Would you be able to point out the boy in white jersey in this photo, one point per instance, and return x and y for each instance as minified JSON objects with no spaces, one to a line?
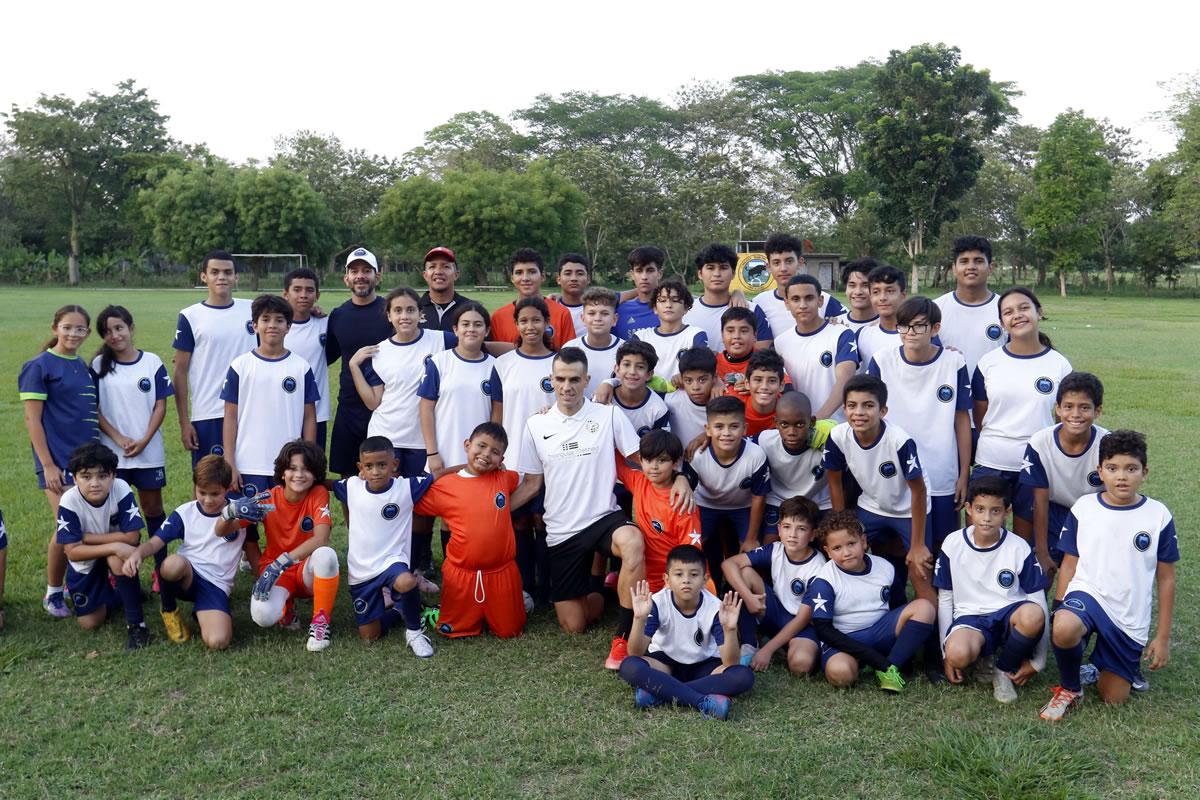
{"x":931,"y":399}
{"x":778,"y":609}
{"x":213,"y":535}
{"x":785,"y":260}
{"x":270,"y":399}
{"x":306,"y":338}
{"x":1060,"y":464}
{"x":672,"y":335}
{"x":683,"y":647}
{"x":990,"y":595}
{"x":970,"y":318}
{"x":1117,"y":544}
{"x":887,"y":293}
{"x":849,"y":598}
{"x":574,"y":276}
{"x":688,"y":405}
{"x":714,"y":268}
{"x":733,"y":483}
{"x":858,"y":294}
{"x":598,"y":341}
{"x":208,"y":336}
{"x":819,"y":357}
{"x":380,"y":544}
{"x":644,"y":409}
{"x":99,"y":526}
{"x":795,"y":456}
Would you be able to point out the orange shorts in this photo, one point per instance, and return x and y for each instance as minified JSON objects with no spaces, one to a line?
{"x":292,"y":579}
{"x":471,"y":597}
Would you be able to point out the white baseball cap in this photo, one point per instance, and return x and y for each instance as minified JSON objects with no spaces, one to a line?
{"x":362,"y":254}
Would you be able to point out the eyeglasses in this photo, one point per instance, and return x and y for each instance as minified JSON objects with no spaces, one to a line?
{"x":78,"y":330}
{"x":916,"y":327}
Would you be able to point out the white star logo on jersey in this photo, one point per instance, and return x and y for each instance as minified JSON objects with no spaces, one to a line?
{"x":695,"y":537}
{"x":132,"y":511}
{"x":819,"y":603}
{"x":62,"y":525}
{"x":178,"y":333}
{"x":912,"y":463}
{"x":1026,"y":465}
{"x":937,"y":567}
{"x":324,"y":511}
{"x":169,"y":384}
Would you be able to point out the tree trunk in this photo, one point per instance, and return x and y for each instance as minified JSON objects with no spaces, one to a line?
{"x":1062,"y":283}
{"x":73,"y":258}
{"x":1041,"y":275}
{"x":1109,"y":277}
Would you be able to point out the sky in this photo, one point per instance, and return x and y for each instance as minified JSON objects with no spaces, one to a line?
{"x":378,"y":75}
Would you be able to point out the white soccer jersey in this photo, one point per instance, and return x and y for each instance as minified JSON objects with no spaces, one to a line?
{"x":522,"y":384}
{"x":399,"y":368}
{"x":575,"y":454}
{"x":810,"y":358}
{"x":601,"y":360}
{"x":463,"y":392}
{"x":214,"y":558}
{"x":576,"y":314}
{"x":1020,"y":394}
{"x":794,"y":474}
{"x":731,"y":486}
{"x":972,"y":330}
{"x":882,"y":468}
{"x":924,"y":398}
{"x":76,"y":517}
{"x":380,"y":523}
{"x":857,"y":325}
{"x":1067,"y":477}
{"x":1119,"y":548}
{"x":687,"y":418}
{"x":647,"y":415}
{"x":669,"y":346}
{"x":780,"y":318}
{"x":307,"y":340}
{"x":708,"y":319}
{"x":986,"y":579}
{"x":872,"y":340}
{"x":685,"y":638}
{"x":270,"y":394}
{"x":853,"y":600}
{"x":215,"y":336}
{"x":127,"y":397}
{"x":789,"y":579}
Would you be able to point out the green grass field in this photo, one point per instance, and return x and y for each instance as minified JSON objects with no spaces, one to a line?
{"x":538,"y":716}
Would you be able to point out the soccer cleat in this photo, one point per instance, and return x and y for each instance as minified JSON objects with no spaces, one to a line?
{"x":425,"y":585}
{"x":154,"y":585}
{"x":56,"y":605}
{"x":984,"y":669}
{"x":715,"y":706}
{"x":936,"y":676}
{"x":289,"y":621}
{"x":1003,"y":688}
{"x":1062,"y":701}
{"x":748,"y":651}
{"x":319,"y":633}
{"x":137,"y":637}
{"x":244,"y":565}
{"x":643,"y":699}
{"x":177,"y":630}
{"x":890,"y":680}
{"x":419,"y":643}
{"x":617,"y":653}
{"x":610,"y":581}
{"x":528,"y":598}
{"x":1140,"y":684}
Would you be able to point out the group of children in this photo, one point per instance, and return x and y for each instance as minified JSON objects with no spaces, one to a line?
{"x":831,"y":451}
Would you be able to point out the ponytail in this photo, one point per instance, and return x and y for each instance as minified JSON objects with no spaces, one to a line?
{"x":107,"y":356}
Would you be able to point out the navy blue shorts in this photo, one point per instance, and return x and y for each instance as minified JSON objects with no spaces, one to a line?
{"x":67,"y":478}
{"x":1114,"y":652}
{"x":204,"y":595}
{"x":91,"y":592}
{"x":349,"y":431}
{"x":685,"y":672}
{"x":879,"y":527}
{"x":368,"y":595}
{"x":1012,"y":477}
{"x":1055,"y":519}
{"x":775,"y":616}
{"x":993,"y":626}
{"x":710,"y":518}
{"x":770,"y":523}
{"x":943,"y":519}
{"x":3,"y":532}
{"x":144,"y":477}
{"x":880,"y":636}
{"x":209,"y":434}
{"x":254,"y":484}
{"x":411,"y":461}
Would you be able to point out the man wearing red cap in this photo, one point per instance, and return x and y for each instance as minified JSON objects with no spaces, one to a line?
{"x":437,"y":306}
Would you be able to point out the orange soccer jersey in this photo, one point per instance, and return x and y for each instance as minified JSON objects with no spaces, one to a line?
{"x":291,"y":524}
{"x":662,"y":527}
{"x":477,"y":511}
{"x":504,"y":325}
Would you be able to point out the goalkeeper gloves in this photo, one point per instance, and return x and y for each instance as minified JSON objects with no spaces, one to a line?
{"x":262,"y":586}
{"x":248,"y":508}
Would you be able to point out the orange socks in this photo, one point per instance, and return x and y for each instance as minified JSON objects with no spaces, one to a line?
{"x":324,"y":593}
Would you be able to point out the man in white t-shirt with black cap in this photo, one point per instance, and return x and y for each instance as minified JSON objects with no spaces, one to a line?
{"x":571,"y":449}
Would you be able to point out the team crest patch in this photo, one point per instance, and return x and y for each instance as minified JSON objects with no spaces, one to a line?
{"x":486,"y":388}
{"x":547,"y":387}
{"x":1141,"y":540}
{"x":249,"y":327}
{"x":826,"y":359}
{"x":658,"y":527}
{"x":322,"y":339}
{"x":360,"y":605}
{"x":771,"y":516}
{"x":745,"y":484}
{"x":217,"y":450}
{"x":818,"y":471}
{"x":307,"y":524}
{"x":1006,"y":578}
{"x":445,"y":628}
{"x":390,"y":511}
{"x":642,"y":431}
{"x":1094,"y":480}
{"x":591,"y":426}
{"x":145,"y":386}
{"x":79,"y":600}
{"x":500,"y":500}
{"x":1044,"y":385}
{"x":888,"y":469}
{"x":945,"y":393}
{"x":993,"y":332}
{"x":249,"y":489}
{"x":1075,"y":603}
{"x":289,"y":384}
{"x":797,"y":587}
{"x":699,"y":637}
{"x":885,"y":594}
{"x":359,"y":252}
{"x":550,"y":331}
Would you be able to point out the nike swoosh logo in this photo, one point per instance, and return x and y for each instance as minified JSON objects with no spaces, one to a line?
{"x":547,"y":436}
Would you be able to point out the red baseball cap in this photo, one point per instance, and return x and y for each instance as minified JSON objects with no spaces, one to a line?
{"x":441,"y":251}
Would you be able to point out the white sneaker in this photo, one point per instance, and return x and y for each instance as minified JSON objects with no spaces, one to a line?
{"x":528,"y":602}
{"x":985,"y":669}
{"x":419,"y":643}
{"x":748,"y":651}
{"x":1003,"y":688}
{"x":318,"y":633}
{"x":244,"y":565}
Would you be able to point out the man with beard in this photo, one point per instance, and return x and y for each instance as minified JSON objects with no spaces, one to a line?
{"x":438,"y":305}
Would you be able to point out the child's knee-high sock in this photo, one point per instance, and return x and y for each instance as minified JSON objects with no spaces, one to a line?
{"x":1016,"y":650}
{"x":1069,"y":659}
{"x":898,"y":590}
{"x":152,"y":526}
{"x":733,"y":681}
{"x":409,"y":605}
{"x":637,"y":672}
{"x":747,"y":627}
{"x":168,"y":594}
{"x":390,"y":619}
{"x":131,"y":598}
{"x":911,"y":637}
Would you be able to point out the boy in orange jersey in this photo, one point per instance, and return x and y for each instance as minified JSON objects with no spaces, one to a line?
{"x":527,"y":272}
{"x":480,"y":579}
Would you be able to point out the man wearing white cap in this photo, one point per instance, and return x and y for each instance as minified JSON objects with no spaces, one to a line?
{"x":356,"y":323}
{"x":438,"y":305}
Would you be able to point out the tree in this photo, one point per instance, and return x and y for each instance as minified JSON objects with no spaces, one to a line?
{"x":921,"y":142}
{"x":92,"y":152}
{"x":469,"y":139}
{"x":190,"y":211}
{"x":277,"y":211}
{"x":1070,"y":182}
{"x":1150,"y":242}
{"x":1182,"y":210}
{"x":812,"y":122}
{"x":1120,"y":197}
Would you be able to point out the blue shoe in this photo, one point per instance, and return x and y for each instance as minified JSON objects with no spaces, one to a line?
{"x":643,"y":699}
{"x":1140,"y":684}
{"x":715,"y":706}
{"x":56,"y":605}
{"x":1088,"y":674}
